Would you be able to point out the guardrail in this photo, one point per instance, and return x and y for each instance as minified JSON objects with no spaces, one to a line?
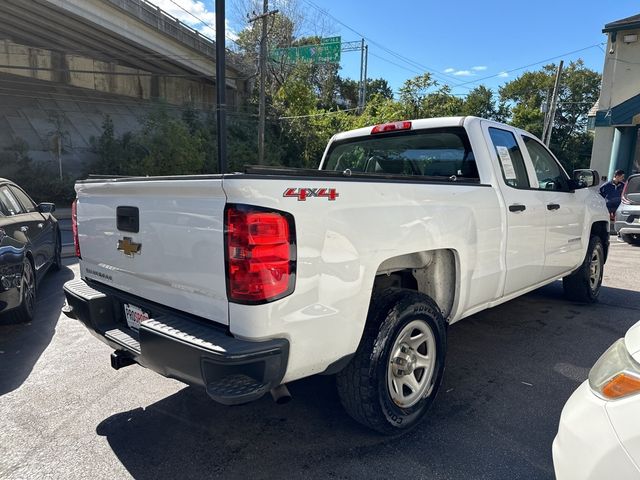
{"x":155,"y":17}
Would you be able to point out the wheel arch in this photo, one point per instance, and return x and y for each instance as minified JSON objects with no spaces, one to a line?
{"x":601,"y":230}
{"x":435,"y":273}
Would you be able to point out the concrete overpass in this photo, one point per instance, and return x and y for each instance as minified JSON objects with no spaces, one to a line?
{"x":88,"y":58}
{"x":72,"y":41}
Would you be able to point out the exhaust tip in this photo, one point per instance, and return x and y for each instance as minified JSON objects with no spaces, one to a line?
{"x":281,"y":394}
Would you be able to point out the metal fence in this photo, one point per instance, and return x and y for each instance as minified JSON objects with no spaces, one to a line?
{"x":155,"y":17}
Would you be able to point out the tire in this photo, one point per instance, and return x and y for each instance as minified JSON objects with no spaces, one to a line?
{"x":584,"y":284}
{"x":384,"y":387}
{"x":631,"y":239}
{"x":24,"y":313}
{"x":57,"y":256}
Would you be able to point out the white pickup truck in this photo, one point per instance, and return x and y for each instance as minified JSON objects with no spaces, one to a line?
{"x":243,"y":282}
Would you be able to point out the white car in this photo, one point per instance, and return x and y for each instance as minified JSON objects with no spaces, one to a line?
{"x":599,"y":432}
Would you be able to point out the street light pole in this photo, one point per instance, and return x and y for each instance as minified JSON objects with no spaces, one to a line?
{"x":221,"y":101}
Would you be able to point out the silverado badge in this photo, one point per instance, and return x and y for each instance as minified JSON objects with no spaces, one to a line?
{"x":128,"y":247}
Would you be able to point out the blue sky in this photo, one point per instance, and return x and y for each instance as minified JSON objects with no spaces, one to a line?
{"x":459,"y":42}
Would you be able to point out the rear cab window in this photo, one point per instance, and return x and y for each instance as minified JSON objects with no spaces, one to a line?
{"x":444,"y":153}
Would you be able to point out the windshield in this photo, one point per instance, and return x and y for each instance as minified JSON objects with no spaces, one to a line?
{"x":442,"y":152}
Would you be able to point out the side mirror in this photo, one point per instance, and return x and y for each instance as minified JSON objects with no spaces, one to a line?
{"x":585,"y":178}
{"x":46,"y":207}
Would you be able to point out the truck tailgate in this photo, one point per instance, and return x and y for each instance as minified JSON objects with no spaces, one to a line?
{"x":180,"y":259}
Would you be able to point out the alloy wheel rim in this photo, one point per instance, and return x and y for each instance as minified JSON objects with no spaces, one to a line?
{"x":29,"y":295}
{"x":412,"y":364}
{"x":595,"y":270}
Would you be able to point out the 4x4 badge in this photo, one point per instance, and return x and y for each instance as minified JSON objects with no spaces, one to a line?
{"x":128,"y":247}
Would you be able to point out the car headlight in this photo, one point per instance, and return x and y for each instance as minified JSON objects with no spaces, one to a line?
{"x":616,"y":374}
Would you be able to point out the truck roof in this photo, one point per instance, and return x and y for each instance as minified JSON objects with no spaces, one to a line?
{"x":420,"y":123}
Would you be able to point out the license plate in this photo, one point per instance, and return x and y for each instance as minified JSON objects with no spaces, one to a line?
{"x":134,"y":315}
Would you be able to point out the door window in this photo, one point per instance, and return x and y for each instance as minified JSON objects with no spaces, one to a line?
{"x":23,"y":198}
{"x":10,"y":202}
{"x":510,"y":158}
{"x":550,"y":174}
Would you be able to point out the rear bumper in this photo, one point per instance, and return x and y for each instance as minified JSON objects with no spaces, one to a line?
{"x":180,"y":346}
{"x":625,"y":228}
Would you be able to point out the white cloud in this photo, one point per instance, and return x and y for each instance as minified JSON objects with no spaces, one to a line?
{"x":463,"y":73}
{"x":503,"y":75}
{"x":449,"y":70}
{"x":195,"y":14}
{"x":479,"y":68}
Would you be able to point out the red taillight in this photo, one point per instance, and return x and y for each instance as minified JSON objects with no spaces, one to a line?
{"x":391,"y":127}
{"x":260,"y":254}
{"x":74,"y":226}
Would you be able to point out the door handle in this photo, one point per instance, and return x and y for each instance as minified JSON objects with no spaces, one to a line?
{"x":40,"y":225}
{"x":24,"y":228}
{"x":517,"y":208}
{"x":553,"y":206}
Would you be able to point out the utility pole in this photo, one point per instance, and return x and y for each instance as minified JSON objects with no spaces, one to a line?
{"x":546,"y":134}
{"x":263,"y":76}
{"x":361,"y":87}
{"x":364,"y":85}
{"x":221,"y":105}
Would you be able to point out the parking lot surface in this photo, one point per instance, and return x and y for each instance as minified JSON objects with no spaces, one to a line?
{"x":66,"y":414}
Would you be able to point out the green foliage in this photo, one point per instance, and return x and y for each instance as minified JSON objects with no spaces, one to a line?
{"x":579,"y":90}
{"x":304,"y":103}
{"x":41,"y":181}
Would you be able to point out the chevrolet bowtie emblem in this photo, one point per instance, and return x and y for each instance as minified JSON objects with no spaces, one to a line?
{"x":128,"y":247}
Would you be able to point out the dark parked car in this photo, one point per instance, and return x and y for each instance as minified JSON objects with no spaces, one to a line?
{"x":628,"y":213}
{"x":29,"y":246}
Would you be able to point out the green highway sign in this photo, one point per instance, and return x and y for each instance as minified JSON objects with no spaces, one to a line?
{"x":326,"y":52}
{"x":332,"y":40}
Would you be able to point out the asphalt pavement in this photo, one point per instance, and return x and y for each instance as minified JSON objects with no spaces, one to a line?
{"x":64,"y":413}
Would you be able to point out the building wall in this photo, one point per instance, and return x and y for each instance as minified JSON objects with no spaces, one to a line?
{"x":621,"y":74}
{"x":601,"y":152}
{"x":620,"y":82}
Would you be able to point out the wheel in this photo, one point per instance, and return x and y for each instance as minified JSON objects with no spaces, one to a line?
{"x":584,"y":284}
{"x":24,"y":313}
{"x":397,"y":369}
{"x":57,"y":256}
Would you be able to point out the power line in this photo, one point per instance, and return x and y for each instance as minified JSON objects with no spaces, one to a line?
{"x":201,"y":21}
{"x":433,"y":71}
{"x":413,"y":63}
{"x":318,"y":114}
{"x":137,"y":106}
{"x":394,"y":63}
{"x":533,"y":64}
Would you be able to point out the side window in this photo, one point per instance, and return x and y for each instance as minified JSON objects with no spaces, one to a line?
{"x":510,"y":158}
{"x":23,"y":198}
{"x":9,"y":201}
{"x":550,"y":174}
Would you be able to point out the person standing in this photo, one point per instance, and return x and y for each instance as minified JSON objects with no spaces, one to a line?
{"x":611,"y":191}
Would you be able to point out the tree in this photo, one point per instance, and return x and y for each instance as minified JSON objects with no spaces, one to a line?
{"x":413,"y":92}
{"x":579,"y":90}
{"x":480,"y":102}
{"x":441,"y":103}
